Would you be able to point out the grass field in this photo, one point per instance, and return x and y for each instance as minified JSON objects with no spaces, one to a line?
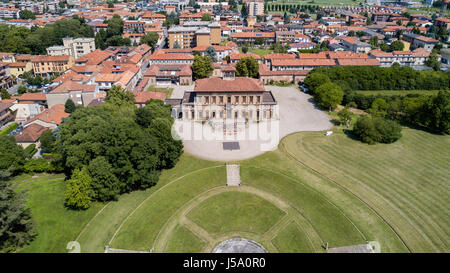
{"x":167,"y":91}
{"x":405,"y":182}
{"x":244,"y":212}
{"x":397,"y":92}
{"x":311,"y":191}
{"x":258,"y":51}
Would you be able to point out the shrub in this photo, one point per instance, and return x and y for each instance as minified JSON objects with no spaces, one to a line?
{"x":372,"y":130}
{"x":38,"y":165}
{"x":9,"y":128}
{"x":78,"y":189}
{"x":30,"y":150}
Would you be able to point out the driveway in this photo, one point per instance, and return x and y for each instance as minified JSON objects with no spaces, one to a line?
{"x":296,"y":111}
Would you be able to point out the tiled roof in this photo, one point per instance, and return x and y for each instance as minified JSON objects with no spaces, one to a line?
{"x":69,"y":86}
{"x":279,"y":56}
{"x":45,"y":58}
{"x":52,"y":115}
{"x":237,"y":85}
{"x":171,"y":57}
{"x":358,"y":62}
{"x":238,"y":56}
{"x":95,"y":57}
{"x":253,"y":35}
{"x":32,"y":97}
{"x":31,"y":133}
{"x":304,"y":62}
{"x":143,"y":97}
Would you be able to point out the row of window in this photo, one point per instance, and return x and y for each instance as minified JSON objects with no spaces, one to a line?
{"x":237,"y":99}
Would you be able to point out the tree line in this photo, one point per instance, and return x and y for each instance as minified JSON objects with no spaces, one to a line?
{"x":35,"y":40}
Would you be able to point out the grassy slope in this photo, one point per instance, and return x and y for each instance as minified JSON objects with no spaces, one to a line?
{"x":292,"y":240}
{"x":101,"y":229}
{"x":236,"y":211}
{"x":141,"y":229}
{"x":331,"y":225}
{"x":406,"y":182}
{"x":56,"y":225}
{"x":184,"y":241}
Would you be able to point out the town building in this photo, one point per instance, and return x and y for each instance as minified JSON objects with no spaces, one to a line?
{"x":193,"y":34}
{"x":44,"y":65}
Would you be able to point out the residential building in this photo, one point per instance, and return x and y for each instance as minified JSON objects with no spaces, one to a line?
{"x":50,"y":118}
{"x":193,"y":34}
{"x":30,"y":135}
{"x":417,"y":57}
{"x":5,"y":113}
{"x":159,"y":74}
{"x":80,"y":94}
{"x":45,"y":65}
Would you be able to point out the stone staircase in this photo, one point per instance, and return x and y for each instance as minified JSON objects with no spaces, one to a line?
{"x":233,"y":175}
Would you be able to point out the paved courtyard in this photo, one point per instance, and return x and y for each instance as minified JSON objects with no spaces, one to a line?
{"x":297,"y":113}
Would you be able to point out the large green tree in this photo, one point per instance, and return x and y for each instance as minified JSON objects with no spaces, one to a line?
{"x":328,"y":95}
{"x":247,"y":67}
{"x":12,"y":156}
{"x":119,"y":97}
{"x":26,"y":14}
{"x":16,"y":225}
{"x":47,"y":141}
{"x":202,"y":67}
{"x":314,"y":80}
{"x":150,"y":39}
{"x":78,"y":193}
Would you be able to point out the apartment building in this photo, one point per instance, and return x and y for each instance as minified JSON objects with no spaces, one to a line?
{"x":193,"y":34}
{"x":255,"y":7}
{"x":73,"y":47}
{"x":417,"y":57}
{"x":44,"y":65}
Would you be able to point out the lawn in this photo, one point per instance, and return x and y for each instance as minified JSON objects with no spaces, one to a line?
{"x":56,"y":225}
{"x":332,"y":189}
{"x":258,"y":51}
{"x":184,"y":241}
{"x":236,"y":211}
{"x":166,"y":90}
{"x":405,"y":182}
{"x":397,"y":92}
{"x":292,"y":240}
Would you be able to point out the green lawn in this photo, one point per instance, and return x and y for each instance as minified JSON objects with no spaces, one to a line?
{"x":236,"y":211}
{"x":405,"y":182}
{"x":184,"y":241}
{"x":166,"y":90}
{"x":338,"y":191}
{"x":258,"y":51}
{"x":56,"y":225}
{"x":292,"y":240}
{"x":397,"y":92}
{"x":141,"y":229}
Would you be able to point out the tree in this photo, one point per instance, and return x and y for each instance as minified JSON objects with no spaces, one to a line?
{"x":26,"y":14}
{"x":384,"y":47}
{"x":244,"y":11}
{"x":119,"y":97}
{"x":150,"y":39}
{"x":78,"y":194}
{"x":286,"y":18}
{"x":4,"y":94}
{"x":206,"y":17}
{"x":345,"y":116}
{"x":328,"y":95}
{"x":15,"y":219}
{"x":105,"y":185}
{"x":314,"y":80}
{"x":396,"y":46}
{"x":47,"y":140}
{"x":211,"y":52}
{"x":372,"y":130}
{"x":244,"y":49}
{"x":12,"y":156}
{"x":433,"y":62}
{"x":69,"y":106}
{"x":438,"y":113}
{"x":247,"y":67}
{"x":202,"y":67}
{"x":176,"y":44}
{"x":379,"y":107}
{"x":373,"y":41}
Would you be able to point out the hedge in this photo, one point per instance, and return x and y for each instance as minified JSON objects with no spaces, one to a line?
{"x":30,"y":150}
{"x":9,"y":129}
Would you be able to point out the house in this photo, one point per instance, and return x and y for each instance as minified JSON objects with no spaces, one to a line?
{"x":159,"y":57}
{"x":165,"y":74}
{"x":6,"y":114}
{"x":355,"y":45}
{"x":250,"y":37}
{"x":221,"y":51}
{"x":80,"y":94}
{"x":50,"y":118}
{"x":420,"y":41}
{"x":142,"y":97}
{"x":238,"y":100}
{"x":417,"y":57}
{"x":30,"y":135}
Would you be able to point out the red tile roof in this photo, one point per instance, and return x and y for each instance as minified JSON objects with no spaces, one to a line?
{"x":32,"y":97}
{"x":53,"y":115}
{"x":143,"y":97}
{"x":31,"y":133}
{"x":237,"y":85}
